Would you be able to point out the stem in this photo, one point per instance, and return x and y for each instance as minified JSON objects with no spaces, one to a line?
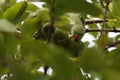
{"x":49,"y":34}
{"x":52,"y":20}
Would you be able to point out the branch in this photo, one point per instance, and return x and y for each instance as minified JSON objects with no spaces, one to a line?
{"x":87,"y":77}
{"x":46,"y":69}
{"x":106,"y":9}
{"x":99,"y":30}
{"x":95,"y":21}
{"x":112,"y":44}
{"x":52,"y":20}
{"x":49,"y":34}
{"x":102,"y":4}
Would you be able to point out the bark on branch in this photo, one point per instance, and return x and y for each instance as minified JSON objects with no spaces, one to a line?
{"x":103,"y":30}
{"x":95,"y":21}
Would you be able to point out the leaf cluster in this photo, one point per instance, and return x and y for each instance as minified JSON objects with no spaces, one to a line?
{"x":33,"y":37}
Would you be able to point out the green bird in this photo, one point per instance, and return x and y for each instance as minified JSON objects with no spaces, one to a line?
{"x":77,"y":31}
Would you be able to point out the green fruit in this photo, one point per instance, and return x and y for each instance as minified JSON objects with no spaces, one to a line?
{"x":75,"y":48}
{"x":45,"y":29}
{"x":59,"y":37}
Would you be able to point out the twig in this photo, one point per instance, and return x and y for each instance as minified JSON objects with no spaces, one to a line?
{"x":99,"y":30}
{"x":101,"y":2}
{"x":46,"y":69}
{"x":106,"y":9}
{"x":112,"y":44}
{"x":95,"y":21}
{"x":87,"y":77}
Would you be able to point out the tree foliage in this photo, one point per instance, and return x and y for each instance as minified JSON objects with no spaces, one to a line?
{"x":51,"y":37}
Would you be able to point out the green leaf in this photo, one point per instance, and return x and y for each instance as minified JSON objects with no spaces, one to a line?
{"x":29,"y":27}
{"x":8,"y":49}
{"x":116,"y":7}
{"x":110,"y":74}
{"x":43,"y":15}
{"x":32,"y":62}
{"x":10,"y":2}
{"x":1,"y":12}
{"x":37,"y":76}
{"x":103,"y":40}
{"x":115,"y":63}
{"x":114,"y":52}
{"x":1,"y":39}
{"x":6,"y":26}
{"x":79,"y":6}
{"x":15,"y":12}
{"x":32,"y":7}
{"x":58,"y":60}
{"x":92,"y":59}
{"x":61,"y":62}
{"x":3,"y":69}
{"x":114,"y":14}
{"x":10,"y":44}
{"x":24,"y":16}
{"x":19,"y":72}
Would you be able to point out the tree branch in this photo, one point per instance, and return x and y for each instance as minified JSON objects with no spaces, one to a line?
{"x":95,"y":21}
{"x":49,"y":34}
{"x":87,"y":77}
{"x":52,"y":20}
{"x":102,"y":4}
{"x":106,"y":9}
{"x":99,"y":30}
{"x":46,"y":69}
{"x":112,"y":44}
